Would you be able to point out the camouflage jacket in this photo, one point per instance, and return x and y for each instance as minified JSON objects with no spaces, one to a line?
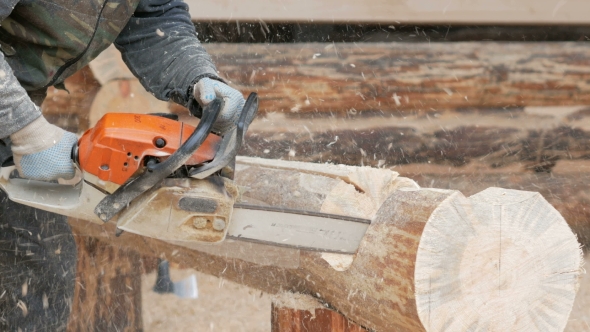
{"x":45,"y":41}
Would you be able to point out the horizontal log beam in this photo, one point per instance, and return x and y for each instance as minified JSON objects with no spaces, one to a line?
{"x":391,"y":77}
{"x":421,"y":11}
{"x":532,"y":139}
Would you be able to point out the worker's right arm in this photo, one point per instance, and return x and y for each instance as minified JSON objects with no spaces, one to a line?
{"x":41,"y":150}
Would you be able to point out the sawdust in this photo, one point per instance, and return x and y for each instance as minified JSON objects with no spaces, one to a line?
{"x":297,"y":301}
{"x":222,"y":306}
{"x":339,"y":262}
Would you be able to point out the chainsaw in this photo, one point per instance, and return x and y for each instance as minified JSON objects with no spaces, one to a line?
{"x":158,"y":177}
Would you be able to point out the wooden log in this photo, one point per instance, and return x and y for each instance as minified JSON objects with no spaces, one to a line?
{"x":535,"y":139}
{"x":426,"y":254}
{"x":69,"y":109}
{"x":422,"y":11}
{"x":386,"y":77}
{"x":286,"y":278}
{"x":392,"y":77}
{"x":107,"y":295}
{"x":286,"y":319}
{"x":120,"y":91}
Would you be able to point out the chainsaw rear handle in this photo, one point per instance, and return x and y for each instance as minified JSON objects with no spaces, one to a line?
{"x":112,"y":204}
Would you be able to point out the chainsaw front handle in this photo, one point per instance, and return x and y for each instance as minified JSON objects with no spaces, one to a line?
{"x":230,"y":144}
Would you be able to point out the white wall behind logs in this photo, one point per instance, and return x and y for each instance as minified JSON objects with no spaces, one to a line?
{"x":403,"y":11}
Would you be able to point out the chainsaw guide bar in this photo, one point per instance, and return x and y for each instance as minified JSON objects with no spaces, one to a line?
{"x":297,"y":229}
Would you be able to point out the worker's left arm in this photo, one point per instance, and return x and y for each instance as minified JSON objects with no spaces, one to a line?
{"x":161,"y":48}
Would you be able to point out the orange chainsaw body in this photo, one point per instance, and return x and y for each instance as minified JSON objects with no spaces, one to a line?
{"x":116,"y":147}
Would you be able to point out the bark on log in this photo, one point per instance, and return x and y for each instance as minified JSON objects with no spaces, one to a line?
{"x":107,"y":296}
{"x":70,"y":109}
{"x":533,"y":139}
{"x":285,"y":319}
{"x":428,"y":252}
{"x":386,"y":77}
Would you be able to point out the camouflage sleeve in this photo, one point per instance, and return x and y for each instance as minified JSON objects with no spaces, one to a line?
{"x":160,"y":46}
{"x":16,"y":108}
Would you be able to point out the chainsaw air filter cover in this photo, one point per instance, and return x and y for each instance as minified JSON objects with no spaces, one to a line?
{"x":119,"y":144}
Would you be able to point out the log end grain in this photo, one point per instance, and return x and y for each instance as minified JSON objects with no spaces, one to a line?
{"x":501,"y":260}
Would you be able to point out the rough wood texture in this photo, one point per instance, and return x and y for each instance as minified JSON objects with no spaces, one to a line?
{"x":391,"y":77}
{"x":530,"y":138}
{"x":407,"y":11}
{"x":319,"y":320}
{"x":315,"y":275}
{"x":385,"y":77}
{"x":386,"y":287}
{"x":107,"y":296}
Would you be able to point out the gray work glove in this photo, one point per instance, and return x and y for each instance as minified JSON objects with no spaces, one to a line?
{"x":42,"y":151}
{"x":206,"y":90}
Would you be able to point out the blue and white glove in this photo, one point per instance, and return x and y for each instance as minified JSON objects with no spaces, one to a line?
{"x":42,"y":151}
{"x":206,"y":90}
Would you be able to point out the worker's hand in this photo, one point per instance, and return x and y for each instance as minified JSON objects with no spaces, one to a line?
{"x":206,"y":90}
{"x":42,"y":151}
